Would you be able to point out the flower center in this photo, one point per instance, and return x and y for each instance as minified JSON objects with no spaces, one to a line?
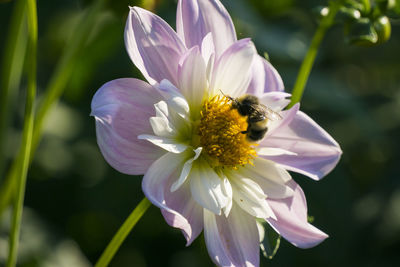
{"x":222,"y":136}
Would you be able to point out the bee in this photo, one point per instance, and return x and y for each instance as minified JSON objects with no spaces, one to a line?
{"x":257,"y":115}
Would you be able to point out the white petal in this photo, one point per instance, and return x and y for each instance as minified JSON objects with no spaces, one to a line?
{"x":175,"y":100}
{"x":180,"y":106}
{"x":161,"y":109}
{"x":207,"y":47}
{"x":171,"y":119}
{"x":187,"y":167}
{"x":270,"y":170}
{"x":250,"y":197}
{"x":270,"y":177}
{"x":231,"y":73}
{"x":232,"y":241}
{"x":210,"y":67}
{"x":192,"y":77}
{"x":165,"y":143}
{"x":227,"y":189}
{"x":162,"y":127}
{"x":207,"y":187}
{"x":208,"y":53}
{"x":261,"y":231}
{"x":158,"y":175}
{"x":273,"y":151}
{"x":179,"y":208}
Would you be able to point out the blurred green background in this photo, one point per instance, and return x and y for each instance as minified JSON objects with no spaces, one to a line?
{"x":75,"y":201}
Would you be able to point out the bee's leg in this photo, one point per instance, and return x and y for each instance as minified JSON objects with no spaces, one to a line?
{"x":244,"y":132}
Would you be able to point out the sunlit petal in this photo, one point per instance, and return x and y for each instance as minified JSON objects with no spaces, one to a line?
{"x":122,"y":108}
{"x":196,"y":18}
{"x":291,"y":220}
{"x":232,"y":240}
{"x":231,"y":73}
{"x":207,"y":188}
{"x":153,"y":45}
{"x":317,"y":153}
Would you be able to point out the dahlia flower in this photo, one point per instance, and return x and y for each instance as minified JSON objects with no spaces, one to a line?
{"x":181,"y":131}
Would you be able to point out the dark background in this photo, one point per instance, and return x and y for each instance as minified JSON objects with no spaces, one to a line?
{"x":75,"y":201}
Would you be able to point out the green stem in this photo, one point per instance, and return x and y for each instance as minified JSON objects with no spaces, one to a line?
{"x":53,"y":92}
{"x":309,"y":59}
{"x":122,"y":233}
{"x":13,"y":59}
{"x":27,"y":133}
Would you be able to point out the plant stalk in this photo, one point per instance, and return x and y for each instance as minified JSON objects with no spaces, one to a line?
{"x":13,"y":61}
{"x":26,"y":135}
{"x":53,"y":92}
{"x":308,"y":62}
{"x":122,"y":233}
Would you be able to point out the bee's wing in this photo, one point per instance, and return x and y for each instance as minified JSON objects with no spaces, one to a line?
{"x":269,"y":113}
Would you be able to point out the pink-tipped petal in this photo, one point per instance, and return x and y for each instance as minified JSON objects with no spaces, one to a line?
{"x":265,"y":78}
{"x":192,"y":77}
{"x":291,"y":220}
{"x":208,"y":49}
{"x":231,"y":73}
{"x":196,"y":18}
{"x":178,"y":208}
{"x":276,"y":101}
{"x":190,"y":218}
{"x":316,"y":152}
{"x":122,"y":109}
{"x":153,"y":46}
{"x":168,"y":90}
{"x":233,"y":240}
{"x":275,"y":126}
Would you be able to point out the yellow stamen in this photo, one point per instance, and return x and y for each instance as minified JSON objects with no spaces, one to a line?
{"x":221,"y":134}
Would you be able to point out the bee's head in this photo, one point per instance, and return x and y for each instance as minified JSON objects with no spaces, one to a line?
{"x":248,"y":100}
{"x":245,"y":104}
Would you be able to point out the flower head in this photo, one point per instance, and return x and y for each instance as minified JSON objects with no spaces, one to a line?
{"x":183,"y":131}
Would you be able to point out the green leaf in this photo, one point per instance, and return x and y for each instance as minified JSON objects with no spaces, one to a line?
{"x":362,"y":33}
{"x":383,"y":29}
{"x":346,"y":14}
{"x":270,"y":240}
{"x":266,"y":56}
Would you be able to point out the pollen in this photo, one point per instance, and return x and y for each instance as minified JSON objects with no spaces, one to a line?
{"x":222,"y":134}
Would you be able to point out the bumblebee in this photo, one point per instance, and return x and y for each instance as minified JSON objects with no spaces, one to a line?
{"x":257,"y":116}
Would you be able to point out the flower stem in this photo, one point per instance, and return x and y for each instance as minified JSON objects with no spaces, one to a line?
{"x":27,"y":133}
{"x":122,"y":233}
{"x":309,"y":59}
